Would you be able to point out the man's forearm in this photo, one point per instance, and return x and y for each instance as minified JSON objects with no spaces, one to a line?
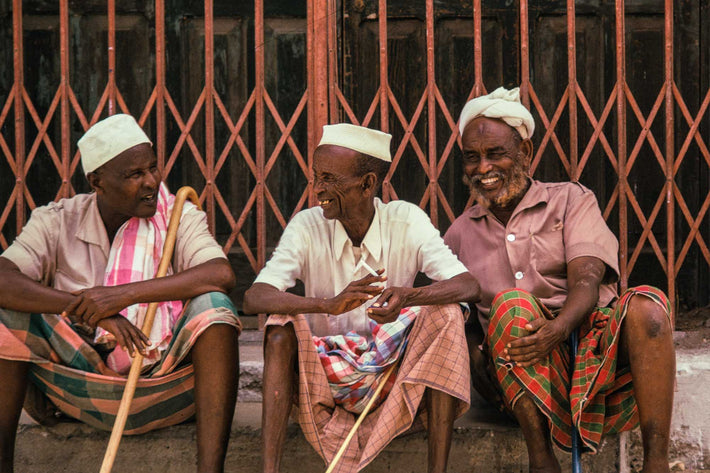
{"x":19,"y":292}
{"x":461,"y":288}
{"x":265,"y":299}
{"x":212,"y":276}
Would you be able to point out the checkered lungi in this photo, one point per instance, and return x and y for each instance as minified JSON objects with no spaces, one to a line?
{"x":601,"y":395}
{"x":435,"y":358}
{"x":75,"y":378}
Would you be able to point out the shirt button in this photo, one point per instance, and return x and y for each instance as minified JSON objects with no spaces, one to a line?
{"x":519,"y":275}
{"x":510,"y":237}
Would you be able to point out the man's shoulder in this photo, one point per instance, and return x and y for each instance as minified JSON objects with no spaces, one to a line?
{"x":309,"y":219}
{"x":568,"y":189}
{"x":66,"y":207}
{"x":400,"y":211}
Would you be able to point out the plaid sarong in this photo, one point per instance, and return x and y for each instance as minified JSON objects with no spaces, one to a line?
{"x":434,"y":358}
{"x":601,"y":394}
{"x":354,"y":366}
{"x":75,"y":378}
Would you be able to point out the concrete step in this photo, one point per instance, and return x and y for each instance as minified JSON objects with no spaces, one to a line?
{"x":483,"y":441}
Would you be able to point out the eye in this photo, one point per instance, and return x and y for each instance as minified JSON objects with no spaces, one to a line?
{"x":471,"y":158}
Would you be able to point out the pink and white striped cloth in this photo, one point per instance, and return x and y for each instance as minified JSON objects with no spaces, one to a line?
{"x":135,"y":256}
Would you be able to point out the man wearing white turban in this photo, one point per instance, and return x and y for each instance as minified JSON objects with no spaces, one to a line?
{"x":74,"y":288}
{"x":332,"y":352}
{"x":547,"y":265}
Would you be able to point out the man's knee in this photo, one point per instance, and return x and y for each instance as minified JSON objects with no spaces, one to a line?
{"x":649,"y":317}
{"x":510,"y":311}
{"x":280,"y":339}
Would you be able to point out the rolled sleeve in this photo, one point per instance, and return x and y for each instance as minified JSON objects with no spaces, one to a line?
{"x":34,"y":250}
{"x":587,"y":234}
{"x":195,"y":244}
{"x":287,"y":262}
{"x":435,"y":259}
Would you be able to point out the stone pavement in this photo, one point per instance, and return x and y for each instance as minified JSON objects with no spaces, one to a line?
{"x":483,"y":441}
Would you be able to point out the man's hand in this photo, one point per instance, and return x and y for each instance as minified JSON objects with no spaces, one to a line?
{"x":544,"y":336}
{"x":128,"y":336}
{"x":388,"y":306}
{"x":355,"y":294}
{"x":90,"y":306}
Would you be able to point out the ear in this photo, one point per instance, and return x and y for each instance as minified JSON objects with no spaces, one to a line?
{"x":94,"y":181}
{"x":369,"y":182}
{"x":526,"y":151}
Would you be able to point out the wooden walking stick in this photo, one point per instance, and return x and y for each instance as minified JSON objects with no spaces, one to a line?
{"x":182,"y":195}
{"x":359,"y":420}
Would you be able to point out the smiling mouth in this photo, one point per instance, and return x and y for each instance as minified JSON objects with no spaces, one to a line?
{"x":325,"y":202}
{"x":150,"y":198}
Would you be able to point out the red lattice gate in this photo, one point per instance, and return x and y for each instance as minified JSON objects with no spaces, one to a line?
{"x":234,"y":97}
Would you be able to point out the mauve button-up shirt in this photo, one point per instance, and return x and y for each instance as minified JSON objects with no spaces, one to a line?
{"x":552,"y":225}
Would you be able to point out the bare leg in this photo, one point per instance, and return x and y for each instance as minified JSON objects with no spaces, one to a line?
{"x":647,"y":346}
{"x":482,"y":378}
{"x":215,"y":356}
{"x":541,"y":456}
{"x":12,"y":395}
{"x":441,"y":412}
{"x":280,"y":357}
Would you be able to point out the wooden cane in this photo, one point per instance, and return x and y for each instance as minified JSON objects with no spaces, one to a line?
{"x":359,"y":420}
{"x":182,"y":195}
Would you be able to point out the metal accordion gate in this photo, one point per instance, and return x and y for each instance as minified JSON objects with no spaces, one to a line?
{"x":234,"y":95}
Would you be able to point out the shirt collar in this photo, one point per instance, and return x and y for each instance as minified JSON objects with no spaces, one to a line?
{"x":537,"y":193}
{"x":372,"y":241}
{"x":91,"y":228}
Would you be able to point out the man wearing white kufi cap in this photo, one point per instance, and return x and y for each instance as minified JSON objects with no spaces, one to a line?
{"x":358,"y":258}
{"x":74,"y":288}
{"x":548,"y":267}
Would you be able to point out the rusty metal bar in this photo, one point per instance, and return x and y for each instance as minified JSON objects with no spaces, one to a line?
{"x":18,"y":62}
{"x":572,"y":89}
{"x":209,"y":204}
{"x":260,"y":131}
{"x":670,"y":152}
{"x":160,"y":86}
{"x":111,"y":57}
{"x":384,"y":84}
{"x":524,"y":54}
{"x":621,"y":138}
{"x":478,"y":88}
{"x":332,"y":26}
{"x":431,"y":114}
{"x":318,"y":42}
{"x":65,"y":190}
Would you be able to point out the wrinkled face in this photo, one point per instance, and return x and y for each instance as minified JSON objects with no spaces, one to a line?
{"x":128,"y":184}
{"x":336,"y":183}
{"x":495,"y":162}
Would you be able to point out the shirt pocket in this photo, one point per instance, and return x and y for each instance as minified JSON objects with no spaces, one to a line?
{"x":548,"y":250}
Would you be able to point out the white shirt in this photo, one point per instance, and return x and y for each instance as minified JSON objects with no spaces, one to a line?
{"x":401,"y":239}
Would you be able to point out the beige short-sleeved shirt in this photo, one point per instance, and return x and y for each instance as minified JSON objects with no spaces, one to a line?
{"x":317,"y":251}
{"x":65,"y":246}
{"x":553,"y":224}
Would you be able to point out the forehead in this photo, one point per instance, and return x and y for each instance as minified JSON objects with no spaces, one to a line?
{"x":487,"y":132}
{"x":137,"y":157}
{"x":335,"y":160}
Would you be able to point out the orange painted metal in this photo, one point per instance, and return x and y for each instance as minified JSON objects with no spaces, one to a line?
{"x":324,"y":102}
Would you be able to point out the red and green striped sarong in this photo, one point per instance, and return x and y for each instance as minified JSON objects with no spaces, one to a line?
{"x":75,"y":378}
{"x":601,"y":394}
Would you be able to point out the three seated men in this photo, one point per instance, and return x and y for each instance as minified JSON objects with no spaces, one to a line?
{"x":547,"y":265}
{"x":538,"y":260}
{"x":74,"y":288}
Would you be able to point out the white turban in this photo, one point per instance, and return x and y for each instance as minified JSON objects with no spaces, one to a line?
{"x":109,"y":138}
{"x":358,"y":138}
{"x":503,"y":104}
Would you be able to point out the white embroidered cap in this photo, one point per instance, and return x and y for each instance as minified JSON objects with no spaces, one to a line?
{"x":365,"y":140}
{"x":109,"y":138}
{"x":503,"y":104}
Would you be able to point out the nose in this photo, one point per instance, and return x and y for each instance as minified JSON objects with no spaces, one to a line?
{"x":484,"y":165}
{"x":317,"y":186}
{"x":152,"y":179}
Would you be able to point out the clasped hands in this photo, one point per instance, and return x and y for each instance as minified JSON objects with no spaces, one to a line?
{"x":544,"y":336}
{"x":386,"y":308}
{"x":99,"y":307}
